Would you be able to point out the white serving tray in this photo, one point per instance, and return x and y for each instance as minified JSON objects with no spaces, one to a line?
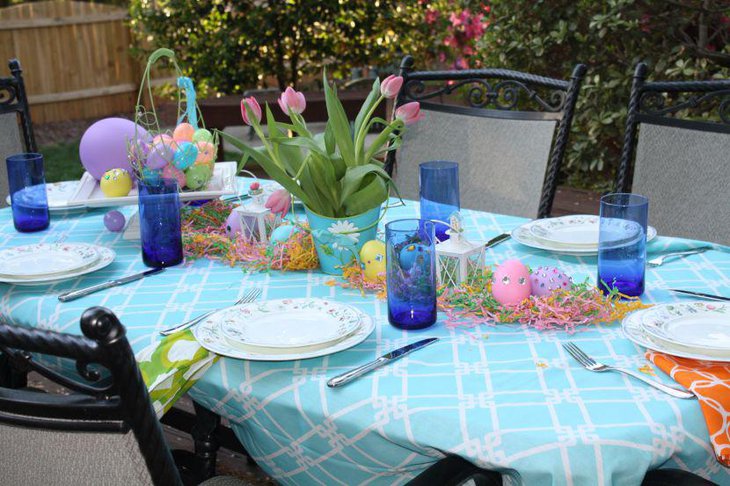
{"x":223,"y":183}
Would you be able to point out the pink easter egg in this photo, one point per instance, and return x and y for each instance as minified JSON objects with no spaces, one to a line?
{"x":183,"y":132}
{"x":206,"y":153}
{"x":171,"y":172}
{"x":162,"y":138}
{"x":511,"y":283}
{"x":545,"y":280}
{"x":160,"y":155}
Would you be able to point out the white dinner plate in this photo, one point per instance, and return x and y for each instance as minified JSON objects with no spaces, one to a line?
{"x":59,"y":196}
{"x":523,"y":235}
{"x":288,"y":323}
{"x":700,"y":324}
{"x":46,"y":260}
{"x":210,"y":335}
{"x":106,"y":256}
{"x":580,"y":230}
{"x":633,"y":329}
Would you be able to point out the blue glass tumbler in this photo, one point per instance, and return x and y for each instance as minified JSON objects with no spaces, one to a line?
{"x":411,"y":273}
{"x":439,"y":191}
{"x":159,"y":223}
{"x":27,"y":183}
{"x":622,"y":243}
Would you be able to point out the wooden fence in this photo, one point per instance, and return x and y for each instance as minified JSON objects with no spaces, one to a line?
{"x":75,"y":58}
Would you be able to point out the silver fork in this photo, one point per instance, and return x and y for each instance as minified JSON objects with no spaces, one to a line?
{"x":591,"y":365}
{"x":249,"y":296}
{"x":655,"y":262}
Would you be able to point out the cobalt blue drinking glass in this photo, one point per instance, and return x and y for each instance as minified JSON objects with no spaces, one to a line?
{"x":411,"y":273}
{"x":159,"y":223}
{"x":622,"y":243}
{"x":27,"y":183}
{"x":439,"y":191}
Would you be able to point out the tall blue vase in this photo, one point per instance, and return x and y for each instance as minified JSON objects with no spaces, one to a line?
{"x":338,"y":240}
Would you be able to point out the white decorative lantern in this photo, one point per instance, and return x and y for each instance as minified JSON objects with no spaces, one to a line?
{"x":257,"y":221}
{"x":458,"y":260}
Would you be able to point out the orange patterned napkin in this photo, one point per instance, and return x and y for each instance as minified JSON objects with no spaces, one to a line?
{"x":710,"y":381}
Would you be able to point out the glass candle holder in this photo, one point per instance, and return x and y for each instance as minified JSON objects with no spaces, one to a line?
{"x":159,"y":223}
{"x":27,"y":183}
{"x":622,"y":243}
{"x":439,"y":192}
{"x":411,"y":273}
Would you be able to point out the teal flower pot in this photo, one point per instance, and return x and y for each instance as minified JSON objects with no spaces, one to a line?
{"x":339,"y":240}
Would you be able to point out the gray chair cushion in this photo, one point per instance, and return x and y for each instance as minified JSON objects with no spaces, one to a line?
{"x":10,"y":144}
{"x":685,"y":174}
{"x":502,"y":162}
{"x":225,"y":481}
{"x":33,"y":456}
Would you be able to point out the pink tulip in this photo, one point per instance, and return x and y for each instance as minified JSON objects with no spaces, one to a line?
{"x":391,"y":86}
{"x":279,"y":202}
{"x":253,"y":105}
{"x":410,"y":112}
{"x":292,"y":100}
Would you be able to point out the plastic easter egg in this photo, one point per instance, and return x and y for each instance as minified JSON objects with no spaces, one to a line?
{"x":511,"y":283}
{"x":170,"y":172}
{"x":116,"y":183}
{"x":372,"y":256}
{"x":185,"y":155}
{"x":282,"y":233}
{"x":160,"y":155}
{"x":206,"y":153}
{"x":202,"y":135}
{"x":409,"y":255}
{"x":114,"y":221}
{"x":545,"y":280}
{"x":197,"y":176}
{"x":183,"y":132}
{"x":151,"y":176}
{"x":233,"y":225}
{"x":162,"y":138}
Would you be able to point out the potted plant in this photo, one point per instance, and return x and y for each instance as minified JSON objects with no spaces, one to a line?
{"x":339,"y":179}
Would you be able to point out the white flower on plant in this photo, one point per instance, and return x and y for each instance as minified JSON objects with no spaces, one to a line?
{"x":345,"y":229}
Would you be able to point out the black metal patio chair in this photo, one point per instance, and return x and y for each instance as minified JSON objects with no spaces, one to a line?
{"x":103,"y":431}
{"x":16,"y":128}
{"x":679,"y":162}
{"x":508,"y":131}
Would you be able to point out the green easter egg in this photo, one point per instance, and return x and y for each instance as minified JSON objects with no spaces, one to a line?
{"x":197,"y":176}
{"x":202,"y":135}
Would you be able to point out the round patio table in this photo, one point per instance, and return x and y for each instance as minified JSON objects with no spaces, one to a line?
{"x":506,"y":397}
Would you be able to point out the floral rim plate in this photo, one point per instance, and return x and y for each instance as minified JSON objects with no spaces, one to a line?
{"x":700,"y":325}
{"x":209,"y":334}
{"x":59,"y":195}
{"x":523,"y":235}
{"x":288,"y":323}
{"x":106,"y":256}
{"x":46,"y":260}
{"x":632,"y":328}
{"x":575,"y":231}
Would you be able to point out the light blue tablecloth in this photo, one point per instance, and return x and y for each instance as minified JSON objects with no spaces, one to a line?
{"x":510,"y":400}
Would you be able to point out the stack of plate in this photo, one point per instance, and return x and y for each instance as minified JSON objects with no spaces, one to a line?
{"x":59,"y":196}
{"x":43,"y":264}
{"x":693,"y":329}
{"x":283,"y":330}
{"x":569,"y":235}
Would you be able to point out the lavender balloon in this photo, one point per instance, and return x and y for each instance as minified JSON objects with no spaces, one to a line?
{"x":114,"y":221}
{"x":104,"y":145}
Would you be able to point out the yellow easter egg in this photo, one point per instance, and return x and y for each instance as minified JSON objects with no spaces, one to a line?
{"x":116,"y":183}
{"x":372,"y":256}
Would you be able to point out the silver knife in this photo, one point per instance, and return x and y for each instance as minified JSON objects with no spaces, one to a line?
{"x":497,"y":240}
{"x":76,"y":294}
{"x":700,"y":294}
{"x":385,"y":359}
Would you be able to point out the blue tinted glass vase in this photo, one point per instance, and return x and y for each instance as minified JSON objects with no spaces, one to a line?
{"x":439,"y":192}
{"x":27,"y":184}
{"x":159,"y":223}
{"x":411,"y":273}
{"x":622,"y":243}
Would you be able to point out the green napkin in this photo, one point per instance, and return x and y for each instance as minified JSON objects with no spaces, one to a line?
{"x":171,"y":366}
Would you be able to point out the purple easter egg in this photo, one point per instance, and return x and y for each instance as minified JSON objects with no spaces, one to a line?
{"x":114,"y":221}
{"x":160,"y":155}
{"x":104,"y":145}
{"x":546,"y":280}
{"x":233,"y":224}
